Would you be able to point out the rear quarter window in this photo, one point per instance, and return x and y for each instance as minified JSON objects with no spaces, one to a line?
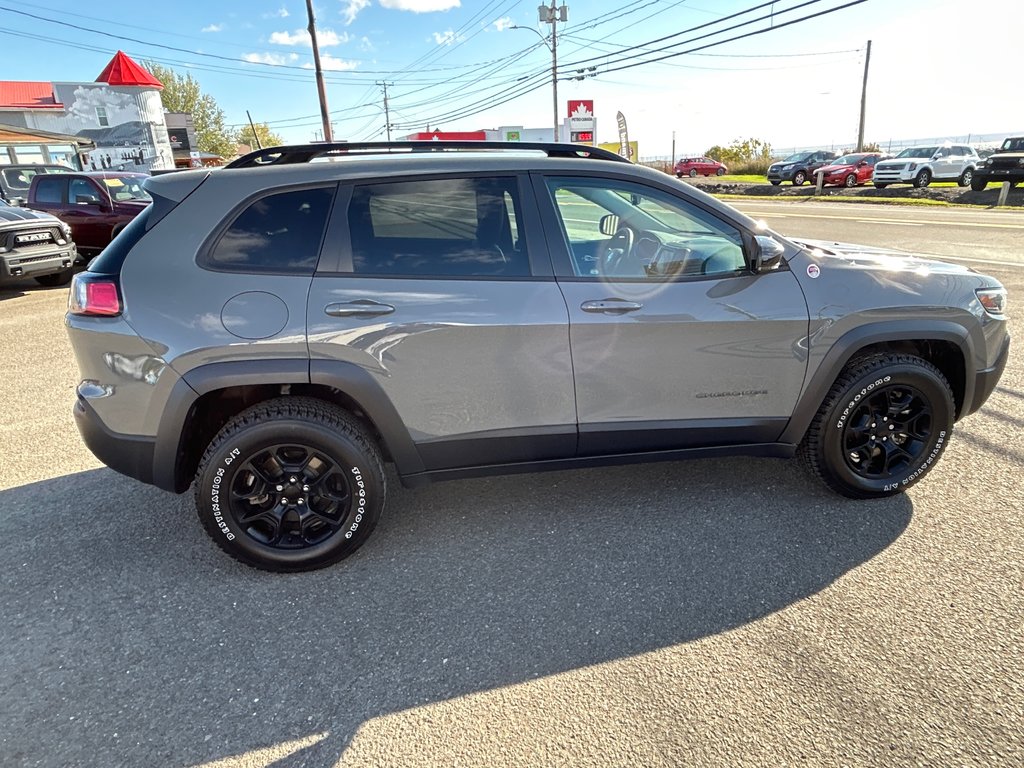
{"x":280,"y":233}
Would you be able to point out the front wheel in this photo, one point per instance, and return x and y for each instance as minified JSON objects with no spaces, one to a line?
{"x":851,"y":180}
{"x":775,"y":183}
{"x":693,"y":173}
{"x":291,"y":484}
{"x":880,"y":186}
{"x":720,"y":172}
{"x":966,"y":178}
{"x":978,"y":184}
{"x":799,"y":178}
{"x":923,"y":179}
{"x":881,"y":428}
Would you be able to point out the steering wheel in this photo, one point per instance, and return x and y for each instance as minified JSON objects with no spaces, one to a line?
{"x":615,"y":251}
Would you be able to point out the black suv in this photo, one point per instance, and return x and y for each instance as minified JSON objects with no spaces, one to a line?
{"x":275,"y":331}
{"x":1005,"y":164}
{"x":799,"y":167}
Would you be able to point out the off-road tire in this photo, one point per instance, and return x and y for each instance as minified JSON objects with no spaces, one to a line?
{"x":923,"y":178}
{"x":56,"y":279}
{"x":799,"y":178}
{"x":873,"y":387}
{"x":978,"y":184}
{"x":273,"y":451}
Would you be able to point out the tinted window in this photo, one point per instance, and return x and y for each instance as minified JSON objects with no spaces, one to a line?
{"x":443,"y":227}
{"x":50,"y":190}
{"x":81,"y":192}
{"x":277,"y":233}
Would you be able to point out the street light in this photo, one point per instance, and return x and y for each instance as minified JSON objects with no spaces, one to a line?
{"x":551,"y":15}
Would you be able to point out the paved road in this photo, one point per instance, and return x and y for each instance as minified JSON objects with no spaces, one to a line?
{"x":727,"y":612}
{"x":984,"y":237}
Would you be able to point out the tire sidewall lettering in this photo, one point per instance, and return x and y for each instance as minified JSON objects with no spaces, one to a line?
{"x":841,"y":422}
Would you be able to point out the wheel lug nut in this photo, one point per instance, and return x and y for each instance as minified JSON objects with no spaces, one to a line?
{"x":299,"y":502}
{"x":280,"y":488}
{"x":293,"y":479}
{"x":305,"y":487}
{"x":872,"y":425}
{"x":892,"y":426}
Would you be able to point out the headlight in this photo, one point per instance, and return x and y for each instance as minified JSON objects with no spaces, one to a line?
{"x":993,"y":300}
{"x":786,"y":167}
{"x":66,"y":229}
{"x":1021,"y":162}
{"x":911,"y":166}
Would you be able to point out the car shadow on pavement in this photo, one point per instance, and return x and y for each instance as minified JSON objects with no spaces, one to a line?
{"x":130,"y":639}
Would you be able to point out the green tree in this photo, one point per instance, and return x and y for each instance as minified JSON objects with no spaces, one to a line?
{"x":182,"y":94}
{"x":266,"y":136}
{"x":872,"y":146}
{"x":742,"y":151}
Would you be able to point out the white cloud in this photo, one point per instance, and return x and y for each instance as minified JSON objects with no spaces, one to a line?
{"x":212,"y":28}
{"x":280,"y":13}
{"x":420,"y":6}
{"x":333,"y":64}
{"x":325,"y":38}
{"x":276,"y":59}
{"x":448,"y":37}
{"x":352,"y":9}
{"x":503,"y":23}
{"x":365,"y":44}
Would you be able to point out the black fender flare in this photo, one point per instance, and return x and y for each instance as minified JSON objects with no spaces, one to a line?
{"x":853,"y":341}
{"x":355,"y":382}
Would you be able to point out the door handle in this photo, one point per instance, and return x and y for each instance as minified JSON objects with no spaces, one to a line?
{"x":611,"y":306}
{"x":359,"y":307}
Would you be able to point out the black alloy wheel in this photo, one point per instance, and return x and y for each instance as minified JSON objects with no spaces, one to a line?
{"x":882,"y":427}
{"x":887,"y":432}
{"x":291,"y":484}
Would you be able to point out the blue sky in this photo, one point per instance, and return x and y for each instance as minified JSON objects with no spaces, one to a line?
{"x":938,"y":67}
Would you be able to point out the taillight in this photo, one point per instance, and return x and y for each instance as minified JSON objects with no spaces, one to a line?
{"x":93,"y":294}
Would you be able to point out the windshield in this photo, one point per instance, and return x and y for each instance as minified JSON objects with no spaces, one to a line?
{"x":918,"y":152}
{"x":123,"y":188}
{"x":1013,"y":145}
{"x":797,"y":157}
{"x":848,"y":160}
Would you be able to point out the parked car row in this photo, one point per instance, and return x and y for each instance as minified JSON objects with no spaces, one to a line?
{"x":53,"y":217}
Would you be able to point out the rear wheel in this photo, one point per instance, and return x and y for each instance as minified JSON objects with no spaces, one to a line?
{"x":799,"y":178}
{"x":720,"y":172}
{"x":291,"y":484}
{"x":923,"y":179}
{"x":693,"y":173}
{"x":57,"y":278}
{"x":881,"y":428}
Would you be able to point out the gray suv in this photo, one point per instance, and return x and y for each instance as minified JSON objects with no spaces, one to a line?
{"x":274,"y":332}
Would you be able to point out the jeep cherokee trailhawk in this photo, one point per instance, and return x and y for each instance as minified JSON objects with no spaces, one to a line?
{"x":275,"y":331}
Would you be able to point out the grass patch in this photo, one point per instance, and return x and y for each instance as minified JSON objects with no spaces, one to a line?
{"x":745,"y":177}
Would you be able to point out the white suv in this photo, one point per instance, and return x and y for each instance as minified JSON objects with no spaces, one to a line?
{"x":922,"y":165}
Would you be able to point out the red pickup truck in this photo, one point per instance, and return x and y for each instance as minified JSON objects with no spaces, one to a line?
{"x":95,"y":204}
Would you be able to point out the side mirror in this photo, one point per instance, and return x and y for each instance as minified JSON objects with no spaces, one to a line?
{"x":609,"y":224}
{"x":767,"y":253}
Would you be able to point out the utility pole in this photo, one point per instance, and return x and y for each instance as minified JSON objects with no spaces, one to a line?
{"x":328,"y":136}
{"x":552,"y":15}
{"x":387,"y":114}
{"x":864,"y":100}
{"x":673,"y":149}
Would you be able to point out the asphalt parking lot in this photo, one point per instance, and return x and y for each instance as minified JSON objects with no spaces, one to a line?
{"x":715,"y":612}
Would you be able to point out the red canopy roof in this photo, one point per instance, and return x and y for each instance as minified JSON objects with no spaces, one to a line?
{"x":27,"y":95}
{"x":123,"y":71}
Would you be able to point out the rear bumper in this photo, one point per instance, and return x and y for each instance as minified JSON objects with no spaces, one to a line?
{"x":130,"y":455}
{"x":985,"y":381}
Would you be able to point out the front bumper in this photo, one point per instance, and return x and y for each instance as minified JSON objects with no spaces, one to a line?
{"x":781,"y":175}
{"x":130,"y":455}
{"x":985,"y":381}
{"x":15,"y":265}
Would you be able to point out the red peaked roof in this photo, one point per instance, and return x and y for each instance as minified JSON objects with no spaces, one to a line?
{"x":27,"y":95}
{"x":123,"y":71}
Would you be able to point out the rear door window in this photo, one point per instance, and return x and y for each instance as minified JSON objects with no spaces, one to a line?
{"x":462,"y":227}
{"x":51,"y":190}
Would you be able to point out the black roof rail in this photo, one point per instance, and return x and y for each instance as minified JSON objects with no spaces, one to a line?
{"x":304,"y":153}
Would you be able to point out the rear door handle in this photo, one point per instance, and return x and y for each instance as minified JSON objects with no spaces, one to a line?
{"x":359,"y":307}
{"x":611,"y":306}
